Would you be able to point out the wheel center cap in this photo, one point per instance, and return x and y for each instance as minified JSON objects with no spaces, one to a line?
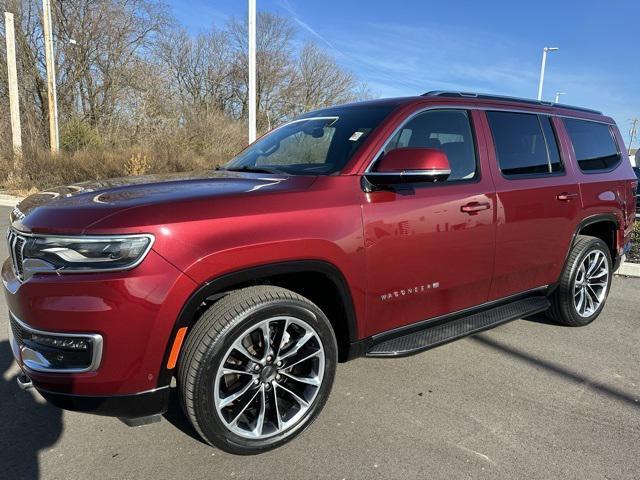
{"x":268,"y":374}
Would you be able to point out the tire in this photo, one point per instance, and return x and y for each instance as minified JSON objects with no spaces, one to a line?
{"x":225,"y":356}
{"x":566,"y":307}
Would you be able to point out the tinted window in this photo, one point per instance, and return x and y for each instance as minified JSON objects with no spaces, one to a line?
{"x":593,"y":144}
{"x":525,"y":143}
{"x":446,"y":130}
{"x":318,"y":143}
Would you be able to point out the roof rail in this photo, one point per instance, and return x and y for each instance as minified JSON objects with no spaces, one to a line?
{"x":484,"y":96}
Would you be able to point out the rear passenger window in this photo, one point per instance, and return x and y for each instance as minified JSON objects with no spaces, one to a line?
{"x":525,"y":143}
{"x":446,"y":130}
{"x":593,"y":144}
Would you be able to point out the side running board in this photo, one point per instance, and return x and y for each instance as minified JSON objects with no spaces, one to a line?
{"x":441,"y":332}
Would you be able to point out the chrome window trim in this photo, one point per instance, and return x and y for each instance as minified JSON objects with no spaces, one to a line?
{"x":408,"y":173}
{"x":298,"y":120}
{"x":88,"y":239}
{"x":96,"y":357}
{"x":481,"y":108}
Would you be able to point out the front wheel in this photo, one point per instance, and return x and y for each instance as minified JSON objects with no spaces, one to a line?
{"x":584,"y":283}
{"x":257,"y":368}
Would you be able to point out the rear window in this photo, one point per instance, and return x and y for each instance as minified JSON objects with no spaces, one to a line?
{"x":593,"y":144}
{"x":525,"y":144}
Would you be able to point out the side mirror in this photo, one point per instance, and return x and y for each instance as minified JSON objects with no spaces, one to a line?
{"x":410,"y":165}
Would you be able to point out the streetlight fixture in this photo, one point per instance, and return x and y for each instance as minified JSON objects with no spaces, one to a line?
{"x":558,"y":96}
{"x":545,"y":50}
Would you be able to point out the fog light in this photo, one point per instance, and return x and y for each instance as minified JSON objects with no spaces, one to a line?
{"x":67,"y":343}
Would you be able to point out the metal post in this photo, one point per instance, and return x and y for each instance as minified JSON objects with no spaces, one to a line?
{"x":558,"y":96}
{"x":545,"y":50}
{"x":54,"y":140}
{"x":14,"y":102}
{"x":252,"y":71}
{"x":633,"y":133}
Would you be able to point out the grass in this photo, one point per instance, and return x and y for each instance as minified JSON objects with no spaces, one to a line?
{"x":41,"y":170}
{"x":634,"y":253}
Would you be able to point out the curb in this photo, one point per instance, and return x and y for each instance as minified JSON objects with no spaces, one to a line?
{"x":9,"y":200}
{"x":628,"y":269}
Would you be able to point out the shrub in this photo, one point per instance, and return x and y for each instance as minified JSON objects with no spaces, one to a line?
{"x":77,"y":134}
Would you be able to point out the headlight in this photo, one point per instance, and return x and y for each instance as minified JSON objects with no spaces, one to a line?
{"x":80,"y":254}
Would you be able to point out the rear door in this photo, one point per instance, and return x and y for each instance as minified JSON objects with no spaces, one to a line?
{"x":537,"y":201}
{"x":429,"y":247}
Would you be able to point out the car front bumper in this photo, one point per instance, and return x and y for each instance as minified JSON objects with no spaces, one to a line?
{"x":97,"y":342}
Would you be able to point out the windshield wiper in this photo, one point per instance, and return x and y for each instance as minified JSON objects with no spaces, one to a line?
{"x":246,"y":168}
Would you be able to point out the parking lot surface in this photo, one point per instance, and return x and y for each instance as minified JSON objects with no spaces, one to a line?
{"x":526,"y":400}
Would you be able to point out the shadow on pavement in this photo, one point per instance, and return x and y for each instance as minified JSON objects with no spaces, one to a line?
{"x":176,"y":417}
{"x":26,"y":426}
{"x":542,"y":318}
{"x":598,"y":387}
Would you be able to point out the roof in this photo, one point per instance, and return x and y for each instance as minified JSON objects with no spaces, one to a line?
{"x":526,"y":101}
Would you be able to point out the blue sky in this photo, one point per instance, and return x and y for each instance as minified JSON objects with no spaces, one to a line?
{"x":407,"y":47}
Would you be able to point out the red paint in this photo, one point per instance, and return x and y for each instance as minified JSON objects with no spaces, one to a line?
{"x":406,"y":256}
{"x":424,"y":159}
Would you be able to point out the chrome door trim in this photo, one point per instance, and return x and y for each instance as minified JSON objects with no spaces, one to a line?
{"x":466,"y":107}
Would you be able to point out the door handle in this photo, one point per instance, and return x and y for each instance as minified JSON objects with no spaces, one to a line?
{"x":566,"y":196}
{"x":474,"y":207}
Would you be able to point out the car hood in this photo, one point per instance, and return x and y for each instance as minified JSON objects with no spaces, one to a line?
{"x":77,"y":207}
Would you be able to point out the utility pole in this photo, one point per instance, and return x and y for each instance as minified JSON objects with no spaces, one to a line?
{"x":633,"y":132}
{"x":252,"y":71}
{"x":545,"y":50}
{"x":54,"y":139}
{"x":14,"y":102}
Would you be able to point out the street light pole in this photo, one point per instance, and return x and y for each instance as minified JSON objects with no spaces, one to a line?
{"x":558,"y":96}
{"x":545,"y":50}
{"x":54,"y":140}
{"x":12,"y":77}
{"x":632,"y":133}
{"x":252,"y":71}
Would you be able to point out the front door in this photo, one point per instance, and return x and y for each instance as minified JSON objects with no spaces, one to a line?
{"x":430,"y":247}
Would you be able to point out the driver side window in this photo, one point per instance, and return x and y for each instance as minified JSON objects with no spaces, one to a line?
{"x":445,"y":130}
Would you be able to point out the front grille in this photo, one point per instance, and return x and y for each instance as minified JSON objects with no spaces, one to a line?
{"x":16,"y":243}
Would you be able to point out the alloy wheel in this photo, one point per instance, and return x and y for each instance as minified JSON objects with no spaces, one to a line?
{"x":590,"y":286}
{"x":269,"y":377}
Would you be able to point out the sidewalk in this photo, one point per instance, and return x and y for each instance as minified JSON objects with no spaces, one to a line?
{"x":8,"y":200}
{"x":629,"y":269}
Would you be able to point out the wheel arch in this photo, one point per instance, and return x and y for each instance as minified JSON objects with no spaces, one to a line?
{"x":603,"y":226}
{"x":330,"y":291}
{"x":588,"y":226}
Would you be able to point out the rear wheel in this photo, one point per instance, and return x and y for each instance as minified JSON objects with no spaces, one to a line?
{"x":584,"y":283}
{"x":257,"y":369}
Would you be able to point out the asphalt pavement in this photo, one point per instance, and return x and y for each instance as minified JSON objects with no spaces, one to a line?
{"x":528,"y":399}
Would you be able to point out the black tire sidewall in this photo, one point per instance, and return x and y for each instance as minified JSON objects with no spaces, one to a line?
{"x":207,"y":416}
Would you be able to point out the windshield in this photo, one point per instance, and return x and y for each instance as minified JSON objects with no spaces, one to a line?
{"x":318,"y":143}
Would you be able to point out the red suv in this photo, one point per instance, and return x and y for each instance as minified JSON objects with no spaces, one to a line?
{"x":376,"y":229}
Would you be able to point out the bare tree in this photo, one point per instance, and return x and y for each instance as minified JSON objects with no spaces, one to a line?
{"x":129,"y":76}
